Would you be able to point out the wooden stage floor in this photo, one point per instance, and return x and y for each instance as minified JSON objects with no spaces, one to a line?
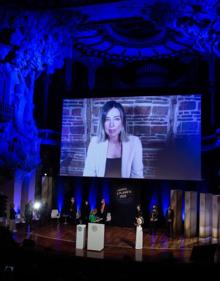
{"x":119,"y":243}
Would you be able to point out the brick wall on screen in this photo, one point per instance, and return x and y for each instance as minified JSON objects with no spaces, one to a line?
{"x":74,"y":137}
{"x":153,"y":119}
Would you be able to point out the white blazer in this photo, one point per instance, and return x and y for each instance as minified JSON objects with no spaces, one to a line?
{"x":132,"y":158}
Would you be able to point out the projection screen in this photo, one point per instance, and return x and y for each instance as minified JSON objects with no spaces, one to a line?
{"x":151,"y":137}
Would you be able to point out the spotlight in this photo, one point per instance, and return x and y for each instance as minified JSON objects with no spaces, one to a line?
{"x":37,"y":205}
{"x":45,"y":174}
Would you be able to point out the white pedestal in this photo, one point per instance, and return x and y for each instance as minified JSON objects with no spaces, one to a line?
{"x":96,"y":233}
{"x":138,"y":255}
{"x":139,"y":237}
{"x":80,"y":236}
{"x":95,"y":254}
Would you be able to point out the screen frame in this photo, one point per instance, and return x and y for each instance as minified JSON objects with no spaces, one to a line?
{"x":148,"y":93}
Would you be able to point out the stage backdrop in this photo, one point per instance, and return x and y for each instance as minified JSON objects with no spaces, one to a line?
{"x":124,"y":200}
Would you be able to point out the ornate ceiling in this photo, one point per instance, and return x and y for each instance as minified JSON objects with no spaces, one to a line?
{"x":143,"y":30}
{"x":137,"y":30}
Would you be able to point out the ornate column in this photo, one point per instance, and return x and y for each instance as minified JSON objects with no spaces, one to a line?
{"x":24,"y":189}
{"x":31,"y":185}
{"x":176,"y":205}
{"x":68,"y":74}
{"x":7,"y":82}
{"x":47,"y":190}
{"x":205,"y":215}
{"x":45,"y":98}
{"x":71,"y":57}
{"x":190,"y":220}
{"x":18,"y":182}
{"x":92,"y":64}
{"x":216,"y":216}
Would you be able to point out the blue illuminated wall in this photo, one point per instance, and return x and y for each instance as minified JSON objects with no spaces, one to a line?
{"x":59,"y":194}
{"x":92,"y":190}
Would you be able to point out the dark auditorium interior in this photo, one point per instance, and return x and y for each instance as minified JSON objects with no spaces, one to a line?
{"x":61,"y":61}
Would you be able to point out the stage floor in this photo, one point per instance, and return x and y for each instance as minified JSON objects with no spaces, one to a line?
{"x":119,"y":243}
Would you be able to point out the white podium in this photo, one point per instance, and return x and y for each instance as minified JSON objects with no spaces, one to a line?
{"x":80,"y":236}
{"x":139,"y":237}
{"x":138,"y":255}
{"x":96,"y":233}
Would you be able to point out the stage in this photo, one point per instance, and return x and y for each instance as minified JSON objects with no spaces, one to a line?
{"x":49,"y":253}
{"x":119,"y":243}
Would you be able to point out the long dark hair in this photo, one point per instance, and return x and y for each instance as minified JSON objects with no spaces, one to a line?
{"x":102,"y":136}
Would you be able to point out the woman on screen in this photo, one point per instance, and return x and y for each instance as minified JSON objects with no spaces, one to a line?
{"x":114,"y":153}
